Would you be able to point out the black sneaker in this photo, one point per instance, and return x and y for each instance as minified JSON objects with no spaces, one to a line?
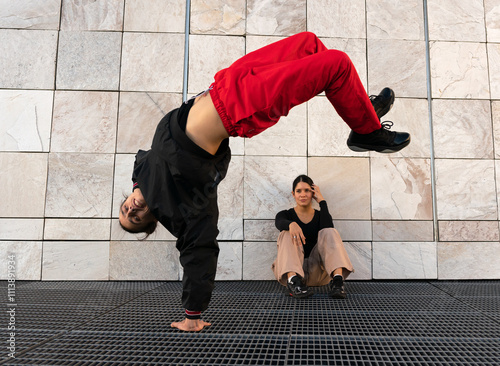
{"x":337,"y":290}
{"x":383,"y":102}
{"x":298,"y":289}
{"x":382,"y":140}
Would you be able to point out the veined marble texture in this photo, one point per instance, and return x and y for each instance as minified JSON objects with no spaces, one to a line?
{"x":494,"y":68}
{"x":88,"y":60}
{"x":455,"y":20}
{"x":27,"y":58}
{"x":465,"y":190}
{"x":459,"y":70}
{"x":92,"y":15}
{"x":24,"y":184}
{"x":268,"y":184}
{"x":345,"y":184}
{"x":28,"y":259}
{"x":79,"y":185}
{"x":404,"y":260}
{"x":495,"y":109}
{"x":327,"y":133}
{"x":147,"y":62}
{"x":84,"y":122}
{"x":26,"y":120}
{"x":218,"y":17}
{"x":229,"y":263}
{"x":77,"y":229}
{"x":395,"y":19}
{"x":21,"y":229}
{"x":260,"y":230}
{"x":155,"y":16}
{"x":354,"y":230}
{"x":230,"y":201}
{"x":360,"y":254}
{"x":340,"y":19}
{"x":76,"y":260}
{"x":139,"y":115}
{"x":462,"y":129}
{"x":466,"y":260}
{"x":30,"y":14}
{"x":406,"y":62}
{"x":492,"y":12}
{"x":401,"y":189}
{"x":139,"y":261}
{"x":403,"y":231}
{"x":208,"y":55}
{"x":276,"y":17}
{"x":257,"y":260}
{"x":468,"y":231}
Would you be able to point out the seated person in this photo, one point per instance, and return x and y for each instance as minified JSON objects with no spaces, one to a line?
{"x":310,"y":250}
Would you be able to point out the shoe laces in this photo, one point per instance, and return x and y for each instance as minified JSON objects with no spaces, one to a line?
{"x":386,"y":125}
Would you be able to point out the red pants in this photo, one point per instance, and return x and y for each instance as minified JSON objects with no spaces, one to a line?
{"x":255,"y":91}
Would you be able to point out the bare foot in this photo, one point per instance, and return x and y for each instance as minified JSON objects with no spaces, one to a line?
{"x":190,"y":325}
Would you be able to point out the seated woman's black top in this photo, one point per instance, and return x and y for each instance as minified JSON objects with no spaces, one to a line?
{"x":321,"y":220}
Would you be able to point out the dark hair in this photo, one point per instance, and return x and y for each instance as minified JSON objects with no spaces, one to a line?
{"x":302,"y":178}
{"x":147,"y":229}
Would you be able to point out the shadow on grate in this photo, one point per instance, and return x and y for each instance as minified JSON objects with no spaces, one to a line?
{"x":23,"y":339}
{"x":88,"y":348}
{"x":469,"y":288}
{"x":392,"y":351}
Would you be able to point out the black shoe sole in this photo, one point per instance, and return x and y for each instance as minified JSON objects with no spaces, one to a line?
{"x":379,"y":149}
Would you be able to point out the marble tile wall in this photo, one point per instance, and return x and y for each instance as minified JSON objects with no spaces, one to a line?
{"x":83,"y":84}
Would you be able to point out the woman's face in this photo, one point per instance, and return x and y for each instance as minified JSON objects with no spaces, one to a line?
{"x":134,"y":212}
{"x":303,"y":194}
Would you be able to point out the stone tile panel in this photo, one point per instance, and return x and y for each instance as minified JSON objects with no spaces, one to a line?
{"x":401,"y":189}
{"x":139,"y":261}
{"x":337,"y":178}
{"x":462,"y":129}
{"x":75,"y":260}
{"x":105,"y":15}
{"x":27,"y":258}
{"x":218,"y":17}
{"x":404,"y":260}
{"x":84,"y":122}
{"x":24,"y":184}
{"x":276,"y":17}
{"x":27,"y":58}
{"x":459,"y":70}
{"x":89,"y":60}
{"x":79,"y":185}
{"x":26,"y":120}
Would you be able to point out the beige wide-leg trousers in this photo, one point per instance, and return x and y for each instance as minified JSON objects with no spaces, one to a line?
{"x":328,"y":255}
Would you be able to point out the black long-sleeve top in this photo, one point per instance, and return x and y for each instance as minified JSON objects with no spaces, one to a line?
{"x":321,"y":220}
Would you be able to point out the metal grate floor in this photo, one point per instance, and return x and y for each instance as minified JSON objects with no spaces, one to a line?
{"x":255,"y":323}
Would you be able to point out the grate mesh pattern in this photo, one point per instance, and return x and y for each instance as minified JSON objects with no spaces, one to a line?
{"x":391,"y":351}
{"x":256,"y":323}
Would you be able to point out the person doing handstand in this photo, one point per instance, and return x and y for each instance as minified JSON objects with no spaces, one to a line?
{"x":175,"y":182}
